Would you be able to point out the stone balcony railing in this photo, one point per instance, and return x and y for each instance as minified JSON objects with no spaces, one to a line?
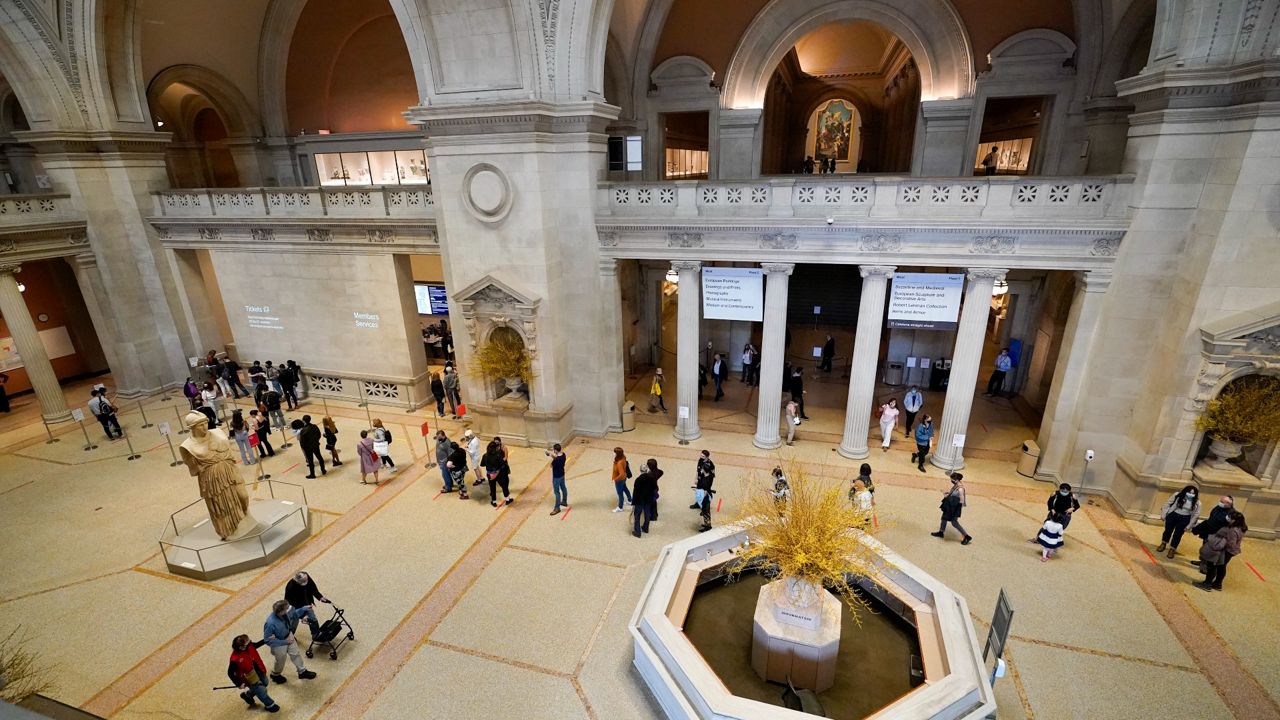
{"x":303,"y":203}
{"x":23,"y":211}
{"x":1004,"y":199}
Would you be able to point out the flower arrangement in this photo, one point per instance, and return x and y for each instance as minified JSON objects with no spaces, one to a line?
{"x":21,"y":672}
{"x":502,"y":356}
{"x":1246,"y":412}
{"x":811,"y":538}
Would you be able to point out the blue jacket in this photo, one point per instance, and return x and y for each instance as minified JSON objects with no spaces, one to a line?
{"x":924,"y":433}
{"x":276,"y":630}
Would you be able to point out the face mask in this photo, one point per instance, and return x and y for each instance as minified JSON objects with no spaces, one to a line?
{"x":1223,"y":505}
{"x":1191,"y":496}
{"x":1064,"y":493}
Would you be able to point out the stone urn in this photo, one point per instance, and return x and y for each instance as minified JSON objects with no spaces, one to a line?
{"x":513,"y":383}
{"x":1222,"y":451}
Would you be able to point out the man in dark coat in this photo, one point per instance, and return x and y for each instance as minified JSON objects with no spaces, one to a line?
{"x":644,"y":498}
{"x":309,"y":440}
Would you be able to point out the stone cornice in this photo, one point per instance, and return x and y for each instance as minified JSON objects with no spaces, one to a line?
{"x":512,"y":118}
{"x":1203,"y":86}
{"x":58,"y":142}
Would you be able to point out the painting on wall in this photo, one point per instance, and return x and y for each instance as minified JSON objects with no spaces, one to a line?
{"x":835,"y":123}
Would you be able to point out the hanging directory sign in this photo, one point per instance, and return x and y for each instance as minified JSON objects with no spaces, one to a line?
{"x":733,"y":293}
{"x":925,"y":301}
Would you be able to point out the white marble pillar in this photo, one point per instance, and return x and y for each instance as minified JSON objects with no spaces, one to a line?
{"x":772,"y":349}
{"x":965,"y":362}
{"x":687,"y":349}
{"x":613,"y":390}
{"x":866,"y":352}
{"x":1061,"y":414}
{"x":35,"y":361}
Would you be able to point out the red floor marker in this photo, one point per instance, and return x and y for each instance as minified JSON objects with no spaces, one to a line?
{"x":155,"y":448}
{"x":984,"y":428}
{"x":1255,"y":572}
{"x":718,"y":504}
{"x":566,"y":514}
{"x":291,"y":467}
{"x":437,"y":495}
{"x":1149,"y":555}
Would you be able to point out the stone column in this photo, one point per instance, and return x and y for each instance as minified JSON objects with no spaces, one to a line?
{"x":1061,"y":413}
{"x":53,"y":404}
{"x":964,"y":367}
{"x":687,"y":349}
{"x":772,"y":349}
{"x":942,"y":147}
{"x":85,"y":268}
{"x":613,"y":392}
{"x":866,"y":351}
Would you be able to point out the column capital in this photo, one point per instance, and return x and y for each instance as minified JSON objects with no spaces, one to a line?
{"x":608,"y":266}
{"x":876,"y":270}
{"x":778,"y":268}
{"x":1093,"y":281}
{"x":10,"y":268}
{"x":686,"y":265}
{"x":987,"y":273}
{"x":84,"y":260}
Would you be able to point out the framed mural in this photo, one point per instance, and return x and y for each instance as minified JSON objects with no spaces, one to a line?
{"x":835,"y":124}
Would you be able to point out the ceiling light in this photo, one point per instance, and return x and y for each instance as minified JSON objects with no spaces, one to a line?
{"x":159,"y":123}
{"x":22,"y":288}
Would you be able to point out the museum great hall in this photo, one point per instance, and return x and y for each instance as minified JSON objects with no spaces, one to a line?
{"x":735,"y":226}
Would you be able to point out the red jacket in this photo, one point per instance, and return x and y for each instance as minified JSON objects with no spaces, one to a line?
{"x":244,"y":661}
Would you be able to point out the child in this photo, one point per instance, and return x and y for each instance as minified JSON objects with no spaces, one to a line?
{"x":1050,"y":537}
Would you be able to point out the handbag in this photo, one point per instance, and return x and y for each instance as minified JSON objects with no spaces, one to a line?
{"x":381,"y":447}
{"x":796,"y":420}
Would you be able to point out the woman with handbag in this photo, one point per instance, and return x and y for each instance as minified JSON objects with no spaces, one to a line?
{"x":1180,"y":512}
{"x":240,"y":431}
{"x":382,"y":443}
{"x":953,"y":503}
{"x":655,"y":392}
{"x":369,"y":461}
{"x":1218,"y":550}
{"x":331,"y":439}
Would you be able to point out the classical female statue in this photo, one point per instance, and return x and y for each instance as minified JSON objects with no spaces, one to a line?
{"x":210,"y":459}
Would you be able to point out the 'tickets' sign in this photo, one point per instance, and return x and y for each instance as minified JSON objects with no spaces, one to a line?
{"x":925,"y":301}
{"x":733,"y":293}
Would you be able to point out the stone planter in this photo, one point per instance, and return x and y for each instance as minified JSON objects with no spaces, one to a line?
{"x":1223,"y":450}
{"x":513,"y":383}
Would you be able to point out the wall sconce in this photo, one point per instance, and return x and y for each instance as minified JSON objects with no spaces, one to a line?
{"x":673,"y":277}
{"x":999,"y":288}
{"x":22,"y":288}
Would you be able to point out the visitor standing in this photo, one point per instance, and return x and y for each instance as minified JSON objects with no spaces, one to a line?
{"x":719,"y":373}
{"x":498,"y":471}
{"x":247,"y":671}
{"x":382,"y":443}
{"x":748,"y":363}
{"x":991,"y":160}
{"x":924,"y":438}
{"x":888,"y":421}
{"x":797,"y":390}
{"x":645,"y":499}
{"x":621,"y":473}
{"x":792,"y":419}
{"x":1050,"y":537}
{"x":558,"y":460}
{"x":257,"y":375}
{"x":262,"y":427}
{"x":473,"y":454}
{"x":277,"y":632}
{"x":191,"y":391}
{"x":1216,"y":520}
{"x":1064,"y":503}
{"x":1219,"y":549}
{"x":271,"y":400}
{"x":864,"y":474}
{"x":1179,"y":512}
{"x":369,"y":462}
{"x":331,"y":439}
{"x":457,"y":465}
{"x":288,"y":386}
{"x":1004,"y":363}
{"x":302,"y":592}
{"x":273,"y":377}
{"x":240,"y":431}
{"x":231,"y":373}
{"x":451,"y":390}
{"x":953,"y":504}
{"x":828,"y":354}
{"x":217,"y":373}
{"x":105,"y":412}
{"x":309,"y":440}
{"x":864,"y":503}
{"x":704,"y":477}
{"x":443,"y":448}
{"x":781,"y":489}
{"x":655,"y":392}
{"x":211,"y":400}
{"x":437,"y":392}
{"x":4,"y":395}
{"x":912,"y":402}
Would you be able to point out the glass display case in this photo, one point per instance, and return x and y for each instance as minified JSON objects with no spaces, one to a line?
{"x":380,"y":167}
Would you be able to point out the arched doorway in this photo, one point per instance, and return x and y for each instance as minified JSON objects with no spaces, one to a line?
{"x":843,"y":99}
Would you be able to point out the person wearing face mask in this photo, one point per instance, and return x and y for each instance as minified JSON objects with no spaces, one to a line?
{"x":1064,"y":503}
{"x":1216,"y":520}
{"x":1179,"y":513}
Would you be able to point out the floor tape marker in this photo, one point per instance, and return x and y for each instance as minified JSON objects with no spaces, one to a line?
{"x":437,"y":495}
{"x":290,"y":468}
{"x":1149,"y":555}
{"x":566,"y":514}
{"x":718,"y":502}
{"x":1255,"y":571}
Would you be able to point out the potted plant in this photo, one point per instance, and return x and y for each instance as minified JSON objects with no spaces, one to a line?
{"x":1246,"y":412}
{"x":22,"y":674}
{"x":503,"y":357}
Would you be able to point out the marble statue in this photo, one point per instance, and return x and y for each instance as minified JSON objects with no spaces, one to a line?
{"x":210,"y":459}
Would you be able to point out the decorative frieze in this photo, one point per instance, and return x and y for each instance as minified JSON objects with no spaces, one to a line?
{"x":78,"y":237}
{"x":608,"y":238}
{"x":684,"y":240}
{"x":209,"y":233}
{"x":8,"y":246}
{"x":779,"y":241}
{"x":993,"y":245}
{"x":1105,"y":247}
{"x":262,"y":234}
{"x":319,"y":235}
{"x":880,"y":243}
{"x":380,"y":235}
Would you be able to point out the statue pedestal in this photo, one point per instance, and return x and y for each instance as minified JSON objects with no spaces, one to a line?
{"x":275,"y":527}
{"x":799,"y":643}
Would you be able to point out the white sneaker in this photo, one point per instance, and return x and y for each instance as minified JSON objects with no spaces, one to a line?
{"x":617,"y":509}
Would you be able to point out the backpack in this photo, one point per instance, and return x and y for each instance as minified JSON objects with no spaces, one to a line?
{"x":628,"y":470}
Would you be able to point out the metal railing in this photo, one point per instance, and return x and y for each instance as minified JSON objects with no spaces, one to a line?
{"x":171,"y":532}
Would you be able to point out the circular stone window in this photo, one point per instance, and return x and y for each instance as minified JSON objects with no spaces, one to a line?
{"x":486,"y":193}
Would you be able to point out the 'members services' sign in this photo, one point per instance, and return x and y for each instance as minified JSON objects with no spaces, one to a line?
{"x":733,"y":293}
{"x":927,"y":301}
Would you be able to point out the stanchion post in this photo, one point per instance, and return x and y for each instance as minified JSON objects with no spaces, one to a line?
{"x":326,"y":406}
{"x":176,"y":462}
{"x":129,"y":441}
{"x":52,"y":439}
{"x":365,"y":404}
{"x":145,"y":424}
{"x":88,"y":444}
{"x":181,"y":423}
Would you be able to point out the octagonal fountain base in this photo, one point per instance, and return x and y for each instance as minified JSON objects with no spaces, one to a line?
{"x":917,"y":657}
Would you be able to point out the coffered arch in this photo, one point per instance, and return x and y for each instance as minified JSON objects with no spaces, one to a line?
{"x":931,"y":30}
{"x":225,"y":97}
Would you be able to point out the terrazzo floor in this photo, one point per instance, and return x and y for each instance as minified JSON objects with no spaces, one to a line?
{"x":461,"y":610}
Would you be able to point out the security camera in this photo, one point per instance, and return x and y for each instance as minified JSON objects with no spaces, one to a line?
{"x":831,"y":220}
{"x":1088,"y":456}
